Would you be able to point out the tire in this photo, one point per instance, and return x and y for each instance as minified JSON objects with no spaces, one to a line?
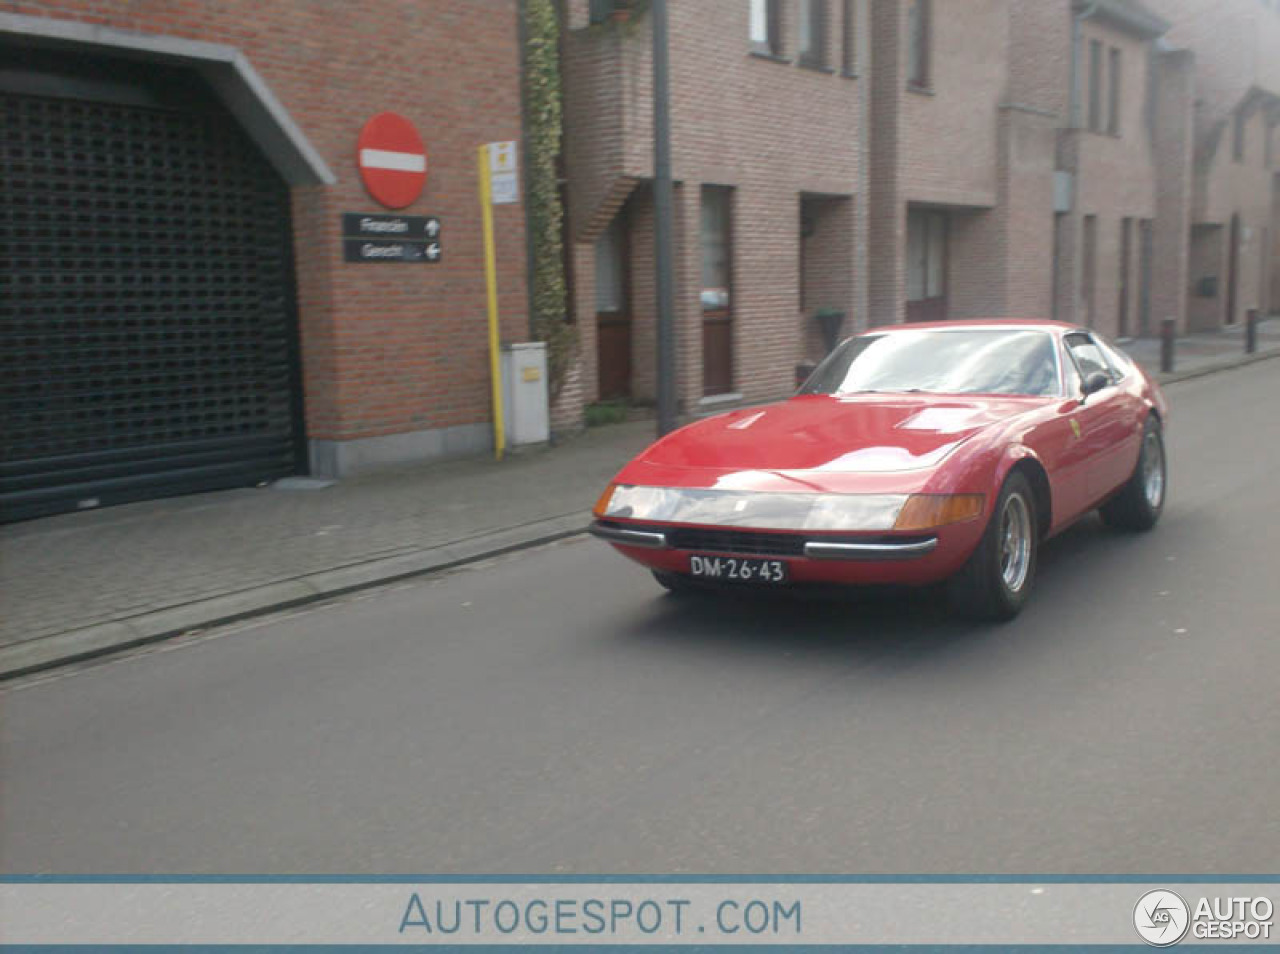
{"x":1140,"y":502}
{"x":675,"y":583}
{"x":996,"y":581}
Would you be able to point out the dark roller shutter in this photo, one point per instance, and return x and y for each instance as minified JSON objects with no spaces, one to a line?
{"x":147,"y":332}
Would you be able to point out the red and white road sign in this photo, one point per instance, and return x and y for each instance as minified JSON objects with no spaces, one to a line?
{"x":392,"y":160}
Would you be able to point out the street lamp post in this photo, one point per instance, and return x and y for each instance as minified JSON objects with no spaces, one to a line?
{"x":662,"y":208}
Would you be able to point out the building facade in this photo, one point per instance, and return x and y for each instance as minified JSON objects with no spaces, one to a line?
{"x":770,"y":185}
{"x":177,"y":312}
{"x":984,"y":158}
{"x":177,"y":183}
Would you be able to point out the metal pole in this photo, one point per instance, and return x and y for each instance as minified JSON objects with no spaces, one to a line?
{"x":491,"y":297}
{"x":1251,"y":331}
{"x":662,"y":214}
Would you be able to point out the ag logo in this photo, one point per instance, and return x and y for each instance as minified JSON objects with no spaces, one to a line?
{"x":1161,"y":917}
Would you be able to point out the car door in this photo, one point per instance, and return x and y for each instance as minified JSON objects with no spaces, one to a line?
{"x":1102,"y":420}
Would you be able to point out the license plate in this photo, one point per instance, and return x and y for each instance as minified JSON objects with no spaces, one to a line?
{"x":737,"y":569}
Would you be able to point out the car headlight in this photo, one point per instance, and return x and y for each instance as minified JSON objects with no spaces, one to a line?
{"x":763,"y":510}
{"x":757,"y":509}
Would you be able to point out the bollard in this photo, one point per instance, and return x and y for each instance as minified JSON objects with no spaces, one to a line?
{"x":1168,"y":330}
{"x":1251,"y":331}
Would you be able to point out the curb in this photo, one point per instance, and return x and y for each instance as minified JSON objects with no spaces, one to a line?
{"x":100,"y":639}
{"x":1174,"y":377}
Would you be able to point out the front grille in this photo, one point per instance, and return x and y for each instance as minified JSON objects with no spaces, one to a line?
{"x":752,"y":542}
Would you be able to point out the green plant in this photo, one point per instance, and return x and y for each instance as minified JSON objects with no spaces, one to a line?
{"x":605,"y":412}
{"x":542,"y":103}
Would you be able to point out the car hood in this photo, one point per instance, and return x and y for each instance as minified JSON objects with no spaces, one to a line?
{"x":816,"y":440}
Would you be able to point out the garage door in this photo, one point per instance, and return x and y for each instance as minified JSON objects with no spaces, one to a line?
{"x":147,"y":328}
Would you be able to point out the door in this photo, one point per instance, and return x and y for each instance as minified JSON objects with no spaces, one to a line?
{"x":1233,"y":268}
{"x":613,"y":312}
{"x":717,"y":290}
{"x":1104,"y":419}
{"x":926,"y":265}
{"x":1126,"y":238}
{"x":147,"y":326}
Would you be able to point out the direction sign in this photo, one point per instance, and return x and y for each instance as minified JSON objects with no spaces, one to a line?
{"x":392,"y":160}
{"x":383,"y":250}
{"x":378,"y":237}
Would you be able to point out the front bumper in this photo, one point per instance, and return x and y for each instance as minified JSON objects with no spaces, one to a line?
{"x":811,"y":557}
{"x":657,"y":539}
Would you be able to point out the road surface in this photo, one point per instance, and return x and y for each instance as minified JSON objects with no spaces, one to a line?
{"x":553,"y":711}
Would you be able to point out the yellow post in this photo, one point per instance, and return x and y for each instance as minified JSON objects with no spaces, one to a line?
{"x":491,"y":287}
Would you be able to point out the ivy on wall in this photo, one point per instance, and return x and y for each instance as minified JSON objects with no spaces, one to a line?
{"x":542,"y":103}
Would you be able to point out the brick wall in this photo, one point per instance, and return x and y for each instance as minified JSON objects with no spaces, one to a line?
{"x":387,"y":349}
{"x":771,"y":130}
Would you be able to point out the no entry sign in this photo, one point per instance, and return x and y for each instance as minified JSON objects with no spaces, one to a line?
{"x":392,"y":160}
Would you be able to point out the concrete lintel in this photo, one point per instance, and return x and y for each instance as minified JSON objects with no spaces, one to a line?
{"x":225,"y":68}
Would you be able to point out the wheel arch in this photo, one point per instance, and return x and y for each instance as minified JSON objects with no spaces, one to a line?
{"x":1025,"y":462}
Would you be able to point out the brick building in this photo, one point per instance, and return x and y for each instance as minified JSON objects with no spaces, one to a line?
{"x":948,"y":159}
{"x":1234,"y":220}
{"x":770,"y":182}
{"x":177,"y":313}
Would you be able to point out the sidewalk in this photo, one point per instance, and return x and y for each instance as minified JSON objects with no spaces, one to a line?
{"x":85,"y":583}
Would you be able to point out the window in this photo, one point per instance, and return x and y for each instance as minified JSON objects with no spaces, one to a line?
{"x":1095,"y":86}
{"x":1089,"y":269}
{"x":926,"y":255}
{"x":849,"y":59}
{"x":918,"y":39}
{"x":1088,"y":357}
{"x":610,"y":292}
{"x":1237,"y":145}
{"x":715,"y":248}
{"x":813,"y":33}
{"x":766,"y":27}
{"x":1113,"y":112}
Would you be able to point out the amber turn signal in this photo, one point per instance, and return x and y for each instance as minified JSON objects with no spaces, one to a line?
{"x":926,"y":511}
{"x":602,"y":505}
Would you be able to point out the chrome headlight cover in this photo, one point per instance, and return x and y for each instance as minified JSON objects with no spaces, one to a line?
{"x":761,"y":510}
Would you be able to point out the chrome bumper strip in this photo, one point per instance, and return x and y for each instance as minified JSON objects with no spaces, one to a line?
{"x":648,"y":539}
{"x":816,"y":550}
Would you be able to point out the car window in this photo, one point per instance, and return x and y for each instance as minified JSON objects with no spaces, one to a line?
{"x":1088,"y":357}
{"x":981,"y":361}
{"x":1120,"y":362}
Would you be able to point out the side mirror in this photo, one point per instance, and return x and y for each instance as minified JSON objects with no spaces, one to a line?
{"x":1094,"y":383}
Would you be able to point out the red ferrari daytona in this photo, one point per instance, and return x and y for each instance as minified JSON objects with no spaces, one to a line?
{"x":913,"y":454}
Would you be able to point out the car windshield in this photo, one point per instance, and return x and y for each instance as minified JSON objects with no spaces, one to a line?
{"x":981,"y":361}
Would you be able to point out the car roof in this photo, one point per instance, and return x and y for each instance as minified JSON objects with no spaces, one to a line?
{"x":1028,"y":324}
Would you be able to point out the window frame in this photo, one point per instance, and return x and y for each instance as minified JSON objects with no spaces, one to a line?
{"x":814,"y":19}
{"x":849,"y":38}
{"x":771,"y":44}
{"x":1115,"y":72}
{"x":1095,"y":86}
{"x":919,"y":45}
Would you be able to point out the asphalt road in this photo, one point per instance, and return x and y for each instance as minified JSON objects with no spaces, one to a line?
{"x":554,"y":712}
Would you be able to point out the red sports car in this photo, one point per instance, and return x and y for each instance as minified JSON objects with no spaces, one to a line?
{"x":912,"y":455}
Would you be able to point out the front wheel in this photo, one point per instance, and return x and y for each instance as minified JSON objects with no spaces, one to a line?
{"x":1140,"y":501}
{"x":996,"y":581}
